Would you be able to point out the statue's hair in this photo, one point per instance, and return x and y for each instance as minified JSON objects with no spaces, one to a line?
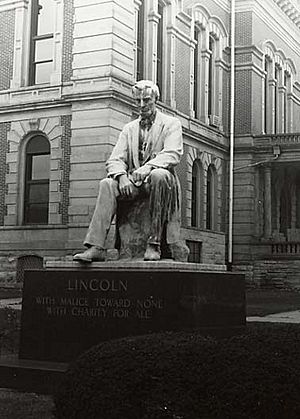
{"x":147,"y":84}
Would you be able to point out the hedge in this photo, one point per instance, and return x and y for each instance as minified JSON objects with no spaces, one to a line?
{"x":187,"y":376}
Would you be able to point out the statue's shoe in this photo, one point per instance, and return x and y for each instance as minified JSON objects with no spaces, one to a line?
{"x":92,"y":254}
{"x":152,"y":252}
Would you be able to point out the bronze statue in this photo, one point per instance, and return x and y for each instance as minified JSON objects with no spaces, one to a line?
{"x":142,"y":161}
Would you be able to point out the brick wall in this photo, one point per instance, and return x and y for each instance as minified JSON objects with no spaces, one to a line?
{"x":243,"y":101}
{"x":272,"y":273}
{"x":65,"y":166}
{"x":243,"y":34}
{"x":7,"y":25}
{"x":68,"y":40}
{"x":4,"y":128}
{"x":182,"y":77}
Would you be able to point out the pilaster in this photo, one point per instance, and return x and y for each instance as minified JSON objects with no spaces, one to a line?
{"x":267,"y":203}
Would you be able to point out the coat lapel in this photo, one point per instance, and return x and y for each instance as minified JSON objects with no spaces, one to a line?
{"x":135,"y":144}
{"x":153,"y":135}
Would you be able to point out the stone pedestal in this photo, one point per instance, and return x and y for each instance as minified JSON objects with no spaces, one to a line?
{"x":69,"y":307}
{"x":133,"y":231}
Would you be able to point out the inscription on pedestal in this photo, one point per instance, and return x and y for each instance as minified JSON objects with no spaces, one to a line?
{"x":65,"y":312}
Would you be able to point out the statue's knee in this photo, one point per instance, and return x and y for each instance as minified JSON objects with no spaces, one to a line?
{"x":108,"y":183}
{"x":158,"y":175}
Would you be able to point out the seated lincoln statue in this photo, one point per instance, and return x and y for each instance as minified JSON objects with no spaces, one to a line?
{"x":142,"y":163}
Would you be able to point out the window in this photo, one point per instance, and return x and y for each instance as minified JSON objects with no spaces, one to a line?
{"x":42,"y":41}
{"x":287,"y":84}
{"x":276,"y":99}
{"x":196,"y":215}
{"x":159,"y":69}
{"x":140,"y":43}
{"x":266,"y":94}
{"x":211,"y":72}
{"x":195,"y":251}
{"x":37,"y":173}
{"x":196,"y":72}
{"x":210,"y":198}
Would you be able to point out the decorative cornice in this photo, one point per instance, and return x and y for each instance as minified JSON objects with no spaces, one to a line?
{"x":13,"y":4}
{"x":291,"y":8}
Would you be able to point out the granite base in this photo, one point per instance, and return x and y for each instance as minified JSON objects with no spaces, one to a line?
{"x":69,"y":308}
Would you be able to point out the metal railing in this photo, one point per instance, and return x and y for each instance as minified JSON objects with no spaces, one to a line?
{"x":285,"y":248}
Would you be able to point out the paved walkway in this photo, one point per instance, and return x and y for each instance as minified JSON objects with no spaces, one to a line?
{"x":286,"y":317}
{"x":15,"y":303}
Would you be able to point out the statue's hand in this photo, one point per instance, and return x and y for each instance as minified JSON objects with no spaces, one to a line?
{"x":140,"y":174}
{"x":125,"y":186}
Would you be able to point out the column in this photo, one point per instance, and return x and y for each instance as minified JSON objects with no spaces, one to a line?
{"x":205,"y":56}
{"x":267,"y":203}
{"x":170,"y":67}
{"x":271,"y":111}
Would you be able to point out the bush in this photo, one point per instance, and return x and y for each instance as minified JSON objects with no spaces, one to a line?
{"x":187,"y":376}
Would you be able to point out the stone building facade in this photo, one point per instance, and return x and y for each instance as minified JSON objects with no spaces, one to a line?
{"x":66,"y":71}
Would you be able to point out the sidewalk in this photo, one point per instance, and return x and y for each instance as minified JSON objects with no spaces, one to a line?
{"x":14,"y":303}
{"x":286,"y":317}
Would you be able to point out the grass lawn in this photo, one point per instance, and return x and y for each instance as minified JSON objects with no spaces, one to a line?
{"x":16,"y":405}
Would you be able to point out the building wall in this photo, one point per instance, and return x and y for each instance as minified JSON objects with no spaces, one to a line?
{"x":82,"y":117}
{"x":7,"y":19}
{"x":88,"y":100}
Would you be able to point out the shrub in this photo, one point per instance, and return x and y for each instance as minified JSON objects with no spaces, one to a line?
{"x":187,"y":376}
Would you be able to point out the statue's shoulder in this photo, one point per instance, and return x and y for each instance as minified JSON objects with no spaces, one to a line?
{"x":131,"y":124}
{"x":169,"y":119}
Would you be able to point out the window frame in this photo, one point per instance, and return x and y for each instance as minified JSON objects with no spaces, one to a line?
{"x":28,"y":181}
{"x":197,"y":195}
{"x":140,"y":42}
{"x":160,"y":49}
{"x":211,"y":198}
{"x":211,"y":82}
{"x":34,"y":38}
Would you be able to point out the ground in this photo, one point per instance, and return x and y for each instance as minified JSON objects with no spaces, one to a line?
{"x":15,"y":405}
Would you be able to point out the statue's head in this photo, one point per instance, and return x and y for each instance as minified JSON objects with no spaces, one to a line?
{"x":145,"y":94}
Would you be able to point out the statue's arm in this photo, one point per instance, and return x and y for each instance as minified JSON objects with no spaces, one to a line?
{"x":117,"y":164}
{"x":172,"y":149}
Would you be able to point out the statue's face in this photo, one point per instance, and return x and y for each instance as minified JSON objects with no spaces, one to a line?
{"x":145,"y":101}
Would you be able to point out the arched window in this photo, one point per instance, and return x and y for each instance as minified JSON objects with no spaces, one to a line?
{"x":196,"y":213}
{"x":37,"y":174}
{"x":160,"y":49}
{"x":140,"y":42}
{"x":211,"y":196}
{"x":42,"y":41}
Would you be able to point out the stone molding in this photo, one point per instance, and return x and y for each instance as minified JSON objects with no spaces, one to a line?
{"x":18,"y":136}
{"x":291,"y":8}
